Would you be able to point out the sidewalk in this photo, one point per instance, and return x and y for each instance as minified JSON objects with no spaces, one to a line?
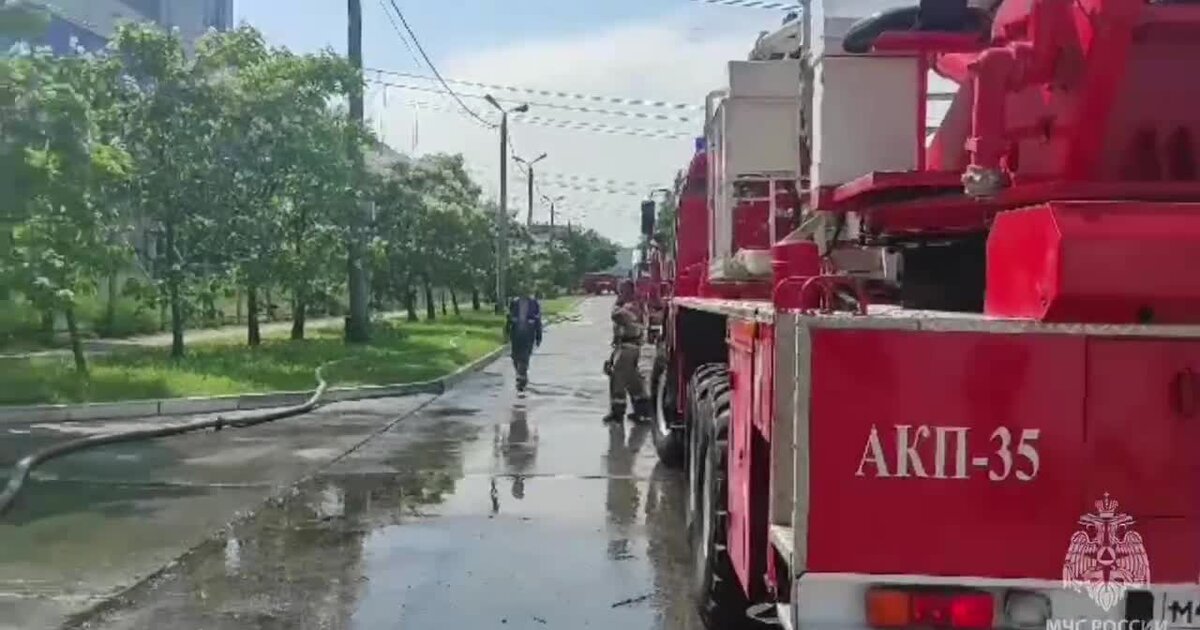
{"x":200,"y":335}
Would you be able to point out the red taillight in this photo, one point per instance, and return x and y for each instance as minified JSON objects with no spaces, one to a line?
{"x":892,"y":607}
{"x":958,"y":610}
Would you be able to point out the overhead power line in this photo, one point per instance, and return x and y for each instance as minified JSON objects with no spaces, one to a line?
{"x":571,"y":125}
{"x":396,"y":27}
{"x":568,"y":186}
{"x":574,"y":181}
{"x":598,"y":189}
{"x":595,"y":184}
{"x":642,"y":132}
{"x":755,"y":4}
{"x":421,"y":49}
{"x":636,"y":102}
{"x":540,"y":104}
{"x":598,"y":180}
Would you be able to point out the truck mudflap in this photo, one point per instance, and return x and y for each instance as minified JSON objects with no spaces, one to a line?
{"x":956,"y":456}
{"x":842,"y":601}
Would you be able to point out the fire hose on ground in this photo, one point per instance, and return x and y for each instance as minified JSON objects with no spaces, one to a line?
{"x":22,"y":469}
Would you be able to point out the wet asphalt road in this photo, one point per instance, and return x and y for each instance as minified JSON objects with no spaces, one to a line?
{"x":484,"y":509}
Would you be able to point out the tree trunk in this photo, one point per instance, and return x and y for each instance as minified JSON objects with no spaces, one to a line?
{"x":210,"y":304}
{"x":454,"y":302}
{"x":237,"y":296}
{"x":174,"y":297}
{"x":48,"y":326}
{"x":299,"y":314}
{"x":444,"y":312}
{"x":475,"y":299}
{"x":410,"y":303}
{"x":110,"y":305}
{"x":81,"y":366}
{"x":430,"y":306}
{"x":253,"y":337}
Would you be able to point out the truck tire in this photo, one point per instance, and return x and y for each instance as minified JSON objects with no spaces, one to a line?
{"x":720,"y":599}
{"x":701,"y":381}
{"x":668,"y":434}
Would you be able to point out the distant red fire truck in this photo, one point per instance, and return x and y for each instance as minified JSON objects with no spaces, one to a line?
{"x":599,"y":283}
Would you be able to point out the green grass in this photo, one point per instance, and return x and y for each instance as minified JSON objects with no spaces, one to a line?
{"x":400,"y":352}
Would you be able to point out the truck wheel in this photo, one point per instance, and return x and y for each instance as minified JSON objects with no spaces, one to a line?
{"x":714,"y":585}
{"x":668,"y":435}
{"x":701,"y":381}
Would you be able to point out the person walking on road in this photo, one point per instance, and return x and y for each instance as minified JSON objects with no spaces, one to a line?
{"x":624,"y":377}
{"x":523,"y":330}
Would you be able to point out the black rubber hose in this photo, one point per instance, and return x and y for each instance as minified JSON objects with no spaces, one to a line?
{"x":20,"y":471}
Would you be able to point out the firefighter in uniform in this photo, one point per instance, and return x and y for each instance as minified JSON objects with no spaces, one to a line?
{"x":624,"y":378}
{"x":523,"y":329}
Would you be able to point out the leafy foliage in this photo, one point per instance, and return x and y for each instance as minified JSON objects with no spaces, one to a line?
{"x":231,"y":172}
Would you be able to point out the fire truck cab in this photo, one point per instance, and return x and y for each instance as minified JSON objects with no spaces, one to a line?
{"x":931,"y":355}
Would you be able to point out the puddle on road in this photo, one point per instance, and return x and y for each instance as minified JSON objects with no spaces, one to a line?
{"x":495,"y":512}
{"x":407,"y":548}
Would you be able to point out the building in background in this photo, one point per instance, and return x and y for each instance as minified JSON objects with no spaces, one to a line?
{"x":626,"y":259}
{"x":193,"y":18}
{"x":88,"y":24}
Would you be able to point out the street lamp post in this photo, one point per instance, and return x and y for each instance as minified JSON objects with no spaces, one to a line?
{"x":529,"y":167}
{"x":552,"y":201}
{"x":502,"y":220}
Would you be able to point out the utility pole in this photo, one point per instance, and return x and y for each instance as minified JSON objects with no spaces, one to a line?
{"x":529,"y":213}
{"x":552,"y":201}
{"x":502,"y":220}
{"x":529,"y":167}
{"x":358,"y":323}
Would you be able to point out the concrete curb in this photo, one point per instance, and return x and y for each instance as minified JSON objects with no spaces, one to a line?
{"x":219,"y":404}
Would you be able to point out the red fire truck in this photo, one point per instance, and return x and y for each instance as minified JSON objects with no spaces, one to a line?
{"x":944,"y":374}
{"x":599,"y":283}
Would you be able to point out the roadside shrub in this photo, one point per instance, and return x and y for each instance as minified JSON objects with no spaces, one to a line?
{"x":19,"y":321}
{"x":129,"y":318}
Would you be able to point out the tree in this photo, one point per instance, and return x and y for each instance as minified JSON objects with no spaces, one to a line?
{"x":395,"y":247}
{"x":234,"y":167}
{"x":170,"y":120}
{"x":283,"y":190}
{"x":477,"y":265}
{"x":71,"y":167}
{"x":314,"y":215}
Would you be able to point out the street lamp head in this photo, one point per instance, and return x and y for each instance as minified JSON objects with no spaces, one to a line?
{"x":522,"y":108}
{"x":491,"y":99}
{"x":539,"y":158}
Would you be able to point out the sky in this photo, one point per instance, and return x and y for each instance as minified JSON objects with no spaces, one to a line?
{"x":626,"y":51}
{"x":660,"y":50}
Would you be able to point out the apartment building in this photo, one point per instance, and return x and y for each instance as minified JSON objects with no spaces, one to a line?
{"x":88,"y":24}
